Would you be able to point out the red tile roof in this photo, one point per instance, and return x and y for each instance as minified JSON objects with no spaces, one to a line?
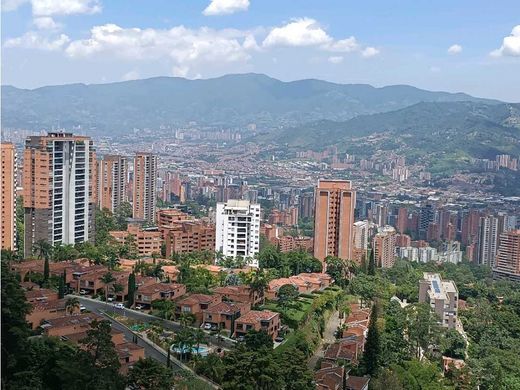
{"x":254,"y":316}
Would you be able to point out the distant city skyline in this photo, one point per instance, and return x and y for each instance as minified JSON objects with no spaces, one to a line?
{"x":471,"y":47}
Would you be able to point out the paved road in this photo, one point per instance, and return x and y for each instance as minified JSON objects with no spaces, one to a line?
{"x":95,"y":306}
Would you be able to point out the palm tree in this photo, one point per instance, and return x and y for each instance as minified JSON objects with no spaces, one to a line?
{"x":71,"y":305}
{"x":118,"y":288}
{"x":257,"y":283}
{"x":42,"y":249}
{"x":107,"y":279}
{"x":199,"y":337}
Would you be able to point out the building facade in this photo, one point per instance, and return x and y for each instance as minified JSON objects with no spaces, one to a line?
{"x":58,"y":189}
{"x":8,"y":217}
{"x":334,"y":219}
{"x":112,"y":175}
{"x":145,"y":187}
{"x":507,"y":263}
{"x":442,"y":296}
{"x":384,"y":247}
{"x":487,"y":240}
{"x":238,"y":229}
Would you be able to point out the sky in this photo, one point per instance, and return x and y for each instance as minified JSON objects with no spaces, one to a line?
{"x":457,"y":46}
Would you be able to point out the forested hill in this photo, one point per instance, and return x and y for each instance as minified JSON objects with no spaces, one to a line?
{"x":228,"y":100}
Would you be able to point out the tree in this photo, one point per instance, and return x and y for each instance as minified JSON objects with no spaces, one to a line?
{"x":337,"y":269}
{"x":71,"y":305}
{"x":46,"y":270}
{"x":42,"y":249}
{"x":287,"y":296}
{"x":372,"y":355}
{"x":100,"y":355}
{"x":15,"y":329}
{"x":131,"y":290}
{"x":61,"y":285}
{"x":453,"y":344}
{"x":148,"y":374}
{"x":199,"y":337}
{"x":257,"y":282}
{"x":293,"y":367}
{"x":257,"y":340}
{"x":107,"y":279}
{"x":372,"y":262}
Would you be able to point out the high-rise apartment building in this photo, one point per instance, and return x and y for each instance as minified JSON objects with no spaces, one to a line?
{"x":335,"y":201}
{"x":487,"y":240}
{"x":426,"y":216}
{"x":306,"y":205}
{"x":145,"y":186}
{"x":238,"y":229}
{"x":112,"y":173}
{"x":384,"y":247}
{"x":58,"y":189}
{"x":507,"y":263}
{"x":402,"y":220}
{"x":442,"y":296}
{"x":8,"y":195}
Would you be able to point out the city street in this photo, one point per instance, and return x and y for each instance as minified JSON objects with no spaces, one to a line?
{"x":98,"y":306}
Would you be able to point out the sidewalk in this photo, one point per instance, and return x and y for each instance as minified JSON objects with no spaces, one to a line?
{"x":328,"y":338}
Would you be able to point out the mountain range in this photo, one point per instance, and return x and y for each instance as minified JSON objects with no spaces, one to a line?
{"x":231,"y":100}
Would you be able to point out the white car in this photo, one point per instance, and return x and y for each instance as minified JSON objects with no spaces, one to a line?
{"x":82,"y":292}
{"x":111,"y":299}
{"x":207,"y":326}
{"x":82,"y":308}
{"x":119,"y":305}
{"x":139,"y":307}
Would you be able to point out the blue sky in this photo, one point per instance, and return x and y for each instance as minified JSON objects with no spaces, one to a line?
{"x":469,"y":46}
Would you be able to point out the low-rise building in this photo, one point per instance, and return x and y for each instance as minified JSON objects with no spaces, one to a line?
{"x":223,"y":315}
{"x":266,"y":320}
{"x":146,"y":242}
{"x":239,"y":294}
{"x":290,"y":243}
{"x":188,"y":236}
{"x":47,"y":310}
{"x":145,"y":295}
{"x":195,"y":304}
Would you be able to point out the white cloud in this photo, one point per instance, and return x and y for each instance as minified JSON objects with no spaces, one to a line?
{"x":250,"y":43}
{"x":225,"y":7}
{"x":435,"y":69}
{"x":33,"y":40}
{"x":45,"y":23}
{"x":454,"y":49}
{"x":369,"y":52}
{"x":299,"y":32}
{"x":131,"y":75}
{"x":335,"y":59}
{"x":306,"y":32}
{"x":183,"y":46}
{"x":343,"y":45}
{"x":12,"y":5}
{"x":65,"y":7}
{"x":510,"y":45}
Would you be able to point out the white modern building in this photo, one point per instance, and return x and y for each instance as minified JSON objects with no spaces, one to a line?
{"x":238,"y":229}
{"x":442,"y":296}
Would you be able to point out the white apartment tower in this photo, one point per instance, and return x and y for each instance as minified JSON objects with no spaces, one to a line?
{"x":238,"y":229}
{"x":488,"y":234}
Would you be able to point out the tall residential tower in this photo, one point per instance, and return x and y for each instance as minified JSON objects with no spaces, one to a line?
{"x":334,"y":219}
{"x":112,"y":172}
{"x":58,"y":189}
{"x":8,"y":216}
{"x":145,"y":186}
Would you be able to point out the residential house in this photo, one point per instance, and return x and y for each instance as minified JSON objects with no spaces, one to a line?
{"x":195,"y":304}
{"x":266,"y":320}
{"x":224,"y":314}
{"x":145,"y":295}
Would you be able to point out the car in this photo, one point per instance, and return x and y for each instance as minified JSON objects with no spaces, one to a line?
{"x":279,"y":339}
{"x":82,"y":308}
{"x":82,"y":292}
{"x":110,"y":299}
{"x":139,"y":307}
{"x":119,"y":305}
{"x":214,"y":327}
{"x":207,"y":326}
